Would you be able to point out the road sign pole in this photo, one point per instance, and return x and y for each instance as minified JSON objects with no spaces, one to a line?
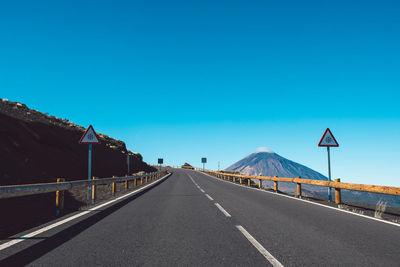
{"x":90,"y":172}
{"x":128,"y":160}
{"x":329,"y":174}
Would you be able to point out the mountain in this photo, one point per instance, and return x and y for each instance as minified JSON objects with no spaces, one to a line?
{"x":265,"y":162}
{"x":268,"y":163}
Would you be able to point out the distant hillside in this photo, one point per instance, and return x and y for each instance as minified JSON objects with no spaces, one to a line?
{"x":272,"y":164}
{"x":268,"y":163}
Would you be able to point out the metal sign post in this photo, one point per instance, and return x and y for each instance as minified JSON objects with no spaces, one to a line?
{"x":89,"y":137}
{"x":329,"y":141}
{"x":89,"y":194}
{"x":160,"y":161}
{"x":329,"y":174}
{"x":204,"y":161}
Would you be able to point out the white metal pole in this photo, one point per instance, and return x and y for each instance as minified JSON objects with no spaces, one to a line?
{"x":329,"y":175}
{"x":90,"y":172}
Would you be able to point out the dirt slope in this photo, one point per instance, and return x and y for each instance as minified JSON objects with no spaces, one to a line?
{"x":37,"y":148}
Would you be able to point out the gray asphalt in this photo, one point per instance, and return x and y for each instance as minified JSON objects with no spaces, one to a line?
{"x":175,"y":224}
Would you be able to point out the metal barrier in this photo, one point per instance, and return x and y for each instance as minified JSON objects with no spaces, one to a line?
{"x":60,"y":186}
{"x":337,"y":185}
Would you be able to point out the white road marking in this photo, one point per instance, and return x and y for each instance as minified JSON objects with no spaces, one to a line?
{"x":196,"y":184}
{"x":44,"y":229}
{"x":304,"y":200}
{"x":259,"y":247}
{"x":210,"y":198}
{"x":222,"y":210}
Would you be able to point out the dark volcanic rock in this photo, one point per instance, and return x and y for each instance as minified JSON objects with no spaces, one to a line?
{"x":36,"y":148}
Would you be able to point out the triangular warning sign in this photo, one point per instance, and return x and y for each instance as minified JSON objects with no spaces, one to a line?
{"x":89,"y":137}
{"x":328,"y":139}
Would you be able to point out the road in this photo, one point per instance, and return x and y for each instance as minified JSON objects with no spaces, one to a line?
{"x":192,"y":219}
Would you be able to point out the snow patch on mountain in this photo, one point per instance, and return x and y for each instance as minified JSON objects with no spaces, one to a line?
{"x":264,"y":149}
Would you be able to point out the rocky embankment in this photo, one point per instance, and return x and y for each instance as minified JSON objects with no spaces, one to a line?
{"x":38,"y":148}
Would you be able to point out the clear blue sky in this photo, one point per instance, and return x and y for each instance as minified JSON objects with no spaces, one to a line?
{"x":187,"y":79}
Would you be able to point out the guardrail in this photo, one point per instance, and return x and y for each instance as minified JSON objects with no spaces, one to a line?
{"x":60,"y":186}
{"x":337,"y":185}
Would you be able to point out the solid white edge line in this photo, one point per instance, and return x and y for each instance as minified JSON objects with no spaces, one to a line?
{"x":298,"y":199}
{"x":202,"y":190}
{"x":259,"y":247}
{"x":44,"y":229}
{"x":222,"y":210}
{"x":210,"y":198}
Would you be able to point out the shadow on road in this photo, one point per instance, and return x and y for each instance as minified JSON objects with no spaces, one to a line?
{"x":34,"y":252}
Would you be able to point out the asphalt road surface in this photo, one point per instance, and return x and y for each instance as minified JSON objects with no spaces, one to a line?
{"x":192,"y":219}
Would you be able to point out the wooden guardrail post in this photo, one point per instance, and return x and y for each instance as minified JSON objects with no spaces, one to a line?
{"x":259,"y":183}
{"x":234,"y":179}
{"x":240,"y":180}
{"x":248,"y":181}
{"x":276,"y":185}
{"x":338,"y":198}
{"x":114,"y":187}
{"x":141,"y":180}
{"x":298,"y":189}
{"x":126,"y":183}
{"x":59,"y":199}
{"x":145,"y":179}
{"x":134,"y":182}
{"x":94,"y":191}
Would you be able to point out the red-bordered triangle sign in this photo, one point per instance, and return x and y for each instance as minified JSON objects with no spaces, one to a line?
{"x":89,"y":137}
{"x":328,"y":139}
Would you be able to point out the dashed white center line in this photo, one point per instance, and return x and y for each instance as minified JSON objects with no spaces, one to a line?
{"x":197,"y":184}
{"x":222,"y":210}
{"x":210,"y":198}
{"x":271,"y":259}
{"x":259,"y":247}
